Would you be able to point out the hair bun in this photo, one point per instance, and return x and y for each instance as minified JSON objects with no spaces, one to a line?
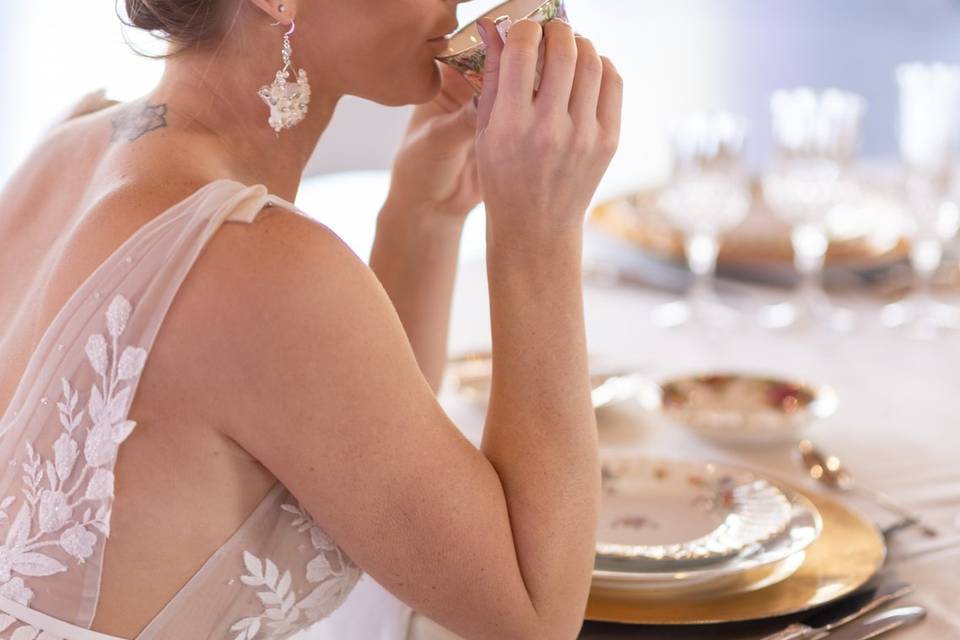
{"x":182,"y":22}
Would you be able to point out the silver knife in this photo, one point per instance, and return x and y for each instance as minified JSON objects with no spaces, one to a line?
{"x":879,"y":623}
{"x":818,"y":624}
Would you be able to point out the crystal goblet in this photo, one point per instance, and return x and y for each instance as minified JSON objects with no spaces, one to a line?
{"x":929,"y":130}
{"x":708,"y":195}
{"x":817,"y":136}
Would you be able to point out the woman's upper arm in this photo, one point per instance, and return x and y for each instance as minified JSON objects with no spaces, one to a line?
{"x":342,"y":415}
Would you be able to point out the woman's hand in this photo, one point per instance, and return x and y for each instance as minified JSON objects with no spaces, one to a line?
{"x":543,"y":153}
{"x":435,"y":171}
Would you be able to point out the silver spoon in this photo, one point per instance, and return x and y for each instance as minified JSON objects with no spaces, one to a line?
{"x":829,"y":471}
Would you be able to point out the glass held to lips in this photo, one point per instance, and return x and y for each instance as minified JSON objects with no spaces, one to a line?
{"x":466,"y":51}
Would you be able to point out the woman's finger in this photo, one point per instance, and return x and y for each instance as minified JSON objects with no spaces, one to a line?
{"x":611,"y":100}
{"x":560,"y":64}
{"x":518,"y":64}
{"x":585,"y":96}
{"x":491,"y":71}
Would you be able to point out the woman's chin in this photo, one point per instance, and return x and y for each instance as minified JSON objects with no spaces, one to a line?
{"x":422,"y":85}
{"x":425,"y":85}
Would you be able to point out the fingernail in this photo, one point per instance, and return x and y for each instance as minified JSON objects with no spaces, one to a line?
{"x":503,"y":27}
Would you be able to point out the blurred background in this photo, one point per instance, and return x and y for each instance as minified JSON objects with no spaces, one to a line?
{"x":676,"y":56}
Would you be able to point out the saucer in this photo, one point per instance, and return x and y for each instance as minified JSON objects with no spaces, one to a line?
{"x":742,"y":408}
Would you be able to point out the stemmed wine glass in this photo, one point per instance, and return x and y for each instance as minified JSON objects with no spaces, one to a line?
{"x":708,"y":195}
{"x":817,"y":136}
{"x":929,"y":127}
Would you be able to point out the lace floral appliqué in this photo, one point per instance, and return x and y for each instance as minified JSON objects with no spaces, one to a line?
{"x":330,"y":574}
{"x":21,"y":631}
{"x":64,"y":503}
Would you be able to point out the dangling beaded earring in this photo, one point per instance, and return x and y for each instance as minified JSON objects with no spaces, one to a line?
{"x":287,"y":100}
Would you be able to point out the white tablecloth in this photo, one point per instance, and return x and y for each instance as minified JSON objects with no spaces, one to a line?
{"x":897,"y":428}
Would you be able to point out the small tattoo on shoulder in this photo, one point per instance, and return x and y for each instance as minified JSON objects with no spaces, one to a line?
{"x":135,"y":121}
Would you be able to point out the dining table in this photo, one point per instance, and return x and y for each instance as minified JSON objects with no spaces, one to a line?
{"x":896,"y":427}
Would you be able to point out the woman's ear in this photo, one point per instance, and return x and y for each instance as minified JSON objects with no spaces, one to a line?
{"x":281,"y":11}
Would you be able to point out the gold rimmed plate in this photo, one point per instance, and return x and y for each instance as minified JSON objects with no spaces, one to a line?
{"x":848,"y":552}
{"x":761,"y":242}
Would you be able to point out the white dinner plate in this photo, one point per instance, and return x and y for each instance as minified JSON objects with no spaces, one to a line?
{"x":685,"y":512}
{"x":741,"y":582}
{"x":755,"y":567}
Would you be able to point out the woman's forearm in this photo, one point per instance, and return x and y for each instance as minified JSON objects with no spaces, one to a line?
{"x":540,"y":432}
{"x":415,"y":257}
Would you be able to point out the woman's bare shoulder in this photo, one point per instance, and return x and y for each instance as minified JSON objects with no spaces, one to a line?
{"x":282,"y":252}
{"x":261,"y":296}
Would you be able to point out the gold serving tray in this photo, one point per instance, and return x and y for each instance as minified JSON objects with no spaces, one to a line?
{"x":761,"y":240}
{"x":847,"y":554}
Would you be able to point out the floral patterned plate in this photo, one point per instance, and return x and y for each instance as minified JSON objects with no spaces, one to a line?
{"x":742,"y":408}
{"x":753,"y":568}
{"x":691,"y":512}
{"x":848,"y":551}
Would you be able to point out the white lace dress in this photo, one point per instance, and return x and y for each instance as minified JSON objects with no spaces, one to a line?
{"x":59,"y":439}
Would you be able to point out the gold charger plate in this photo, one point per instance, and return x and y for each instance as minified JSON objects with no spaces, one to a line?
{"x":761,"y":240}
{"x":847,"y":554}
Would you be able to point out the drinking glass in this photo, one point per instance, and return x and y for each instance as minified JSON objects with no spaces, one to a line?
{"x":708,"y":195}
{"x":817,"y":136}
{"x":929,"y":112}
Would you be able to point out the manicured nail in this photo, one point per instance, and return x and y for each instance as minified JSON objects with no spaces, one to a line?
{"x":503,"y":27}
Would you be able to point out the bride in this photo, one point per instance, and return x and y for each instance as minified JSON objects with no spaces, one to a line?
{"x":232,"y":472}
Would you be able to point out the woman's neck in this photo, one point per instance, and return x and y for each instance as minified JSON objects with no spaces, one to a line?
{"x":207,"y":94}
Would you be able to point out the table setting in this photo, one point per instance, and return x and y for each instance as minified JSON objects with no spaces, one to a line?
{"x":853,"y":428}
{"x":774,"y":462}
{"x":862,"y":458}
